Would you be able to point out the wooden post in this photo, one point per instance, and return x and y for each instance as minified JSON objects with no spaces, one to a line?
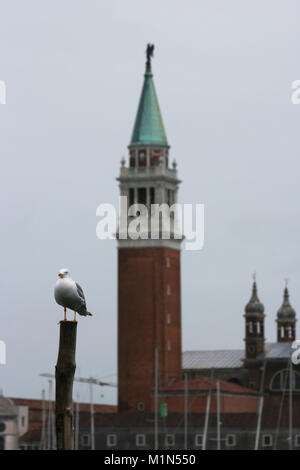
{"x":64,"y":375}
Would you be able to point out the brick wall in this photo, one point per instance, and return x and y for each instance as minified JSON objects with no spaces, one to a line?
{"x":149,"y":291}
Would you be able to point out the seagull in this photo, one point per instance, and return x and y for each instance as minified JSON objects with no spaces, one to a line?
{"x":70,"y":295}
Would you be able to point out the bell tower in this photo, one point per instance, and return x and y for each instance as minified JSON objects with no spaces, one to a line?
{"x":254,"y":337}
{"x":286,"y":320}
{"x":149,"y":298}
{"x":254,"y":323}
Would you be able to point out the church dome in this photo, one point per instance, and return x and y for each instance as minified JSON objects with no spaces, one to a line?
{"x":286,"y":311}
{"x":254,"y":306}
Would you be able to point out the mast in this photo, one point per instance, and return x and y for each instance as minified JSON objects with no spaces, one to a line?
{"x":185,"y":411}
{"x":207,"y":411}
{"x":218,"y":417}
{"x":156,"y":398}
{"x":43,"y":434}
{"x":92,"y":416}
{"x":77,"y":424}
{"x":291,"y":406}
{"x":260,"y":407}
{"x":49,"y":427}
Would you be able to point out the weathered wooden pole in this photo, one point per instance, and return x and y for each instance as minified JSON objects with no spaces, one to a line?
{"x":64,"y":375}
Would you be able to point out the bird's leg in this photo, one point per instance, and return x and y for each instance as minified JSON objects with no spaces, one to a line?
{"x":65,"y":314}
{"x":74,"y":316}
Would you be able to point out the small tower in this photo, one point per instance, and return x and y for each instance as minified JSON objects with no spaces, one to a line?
{"x":286,"y":320}
{"x":149,"y":299}
{"x":254,"y":316}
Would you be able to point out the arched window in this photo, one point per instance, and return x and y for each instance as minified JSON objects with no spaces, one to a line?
{"x":281,"y":380}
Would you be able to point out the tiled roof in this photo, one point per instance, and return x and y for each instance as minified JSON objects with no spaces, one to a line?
{"x":38,"y":404}
{"x":230,"y":358}
{"x":33,"y":435}
{"x":213,"y":359}
{"x":203,"y":384}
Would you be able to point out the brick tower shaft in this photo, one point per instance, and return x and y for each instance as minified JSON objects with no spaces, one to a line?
{"x":149,"y":304}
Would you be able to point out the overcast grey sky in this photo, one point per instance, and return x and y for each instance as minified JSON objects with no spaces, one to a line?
{"x":74,"y":69}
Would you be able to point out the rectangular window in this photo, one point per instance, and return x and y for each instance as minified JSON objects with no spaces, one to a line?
{"x":111,"y":440}
{"x":230,"y":440}
{"x":169,"y":440}
{"x":267,"y":440}
{"x":142,"y":196}
{"x":140,"y":440}
{"x":131,"y":196}
{"x":152,"y":196}
{"x":297,"y":440}
{"x":170,"y":197}
{"x":142,"y":159}
{"x":168,"y":262}
{"x":198,"y":440}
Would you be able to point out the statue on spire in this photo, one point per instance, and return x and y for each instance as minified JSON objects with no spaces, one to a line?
{"x":149,"y":52}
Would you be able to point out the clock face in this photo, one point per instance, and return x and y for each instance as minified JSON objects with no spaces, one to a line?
{"x":2,"y":426}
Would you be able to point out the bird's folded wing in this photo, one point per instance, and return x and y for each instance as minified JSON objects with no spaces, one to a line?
{"x":80,"y":291}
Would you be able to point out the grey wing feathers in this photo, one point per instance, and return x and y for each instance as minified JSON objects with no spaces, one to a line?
{"x":82,"y":310}
{"x":80,"y":291}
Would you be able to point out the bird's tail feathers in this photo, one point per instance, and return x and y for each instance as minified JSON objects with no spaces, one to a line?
{"x":82,"y":311}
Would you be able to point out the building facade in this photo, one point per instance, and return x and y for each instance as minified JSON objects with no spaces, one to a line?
{"x":13,"y":423}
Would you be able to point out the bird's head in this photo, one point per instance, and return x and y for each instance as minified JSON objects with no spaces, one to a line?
{"x":63,"y":273}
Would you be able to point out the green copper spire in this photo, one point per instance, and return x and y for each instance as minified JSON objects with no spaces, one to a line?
{"x":148,"y":128}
